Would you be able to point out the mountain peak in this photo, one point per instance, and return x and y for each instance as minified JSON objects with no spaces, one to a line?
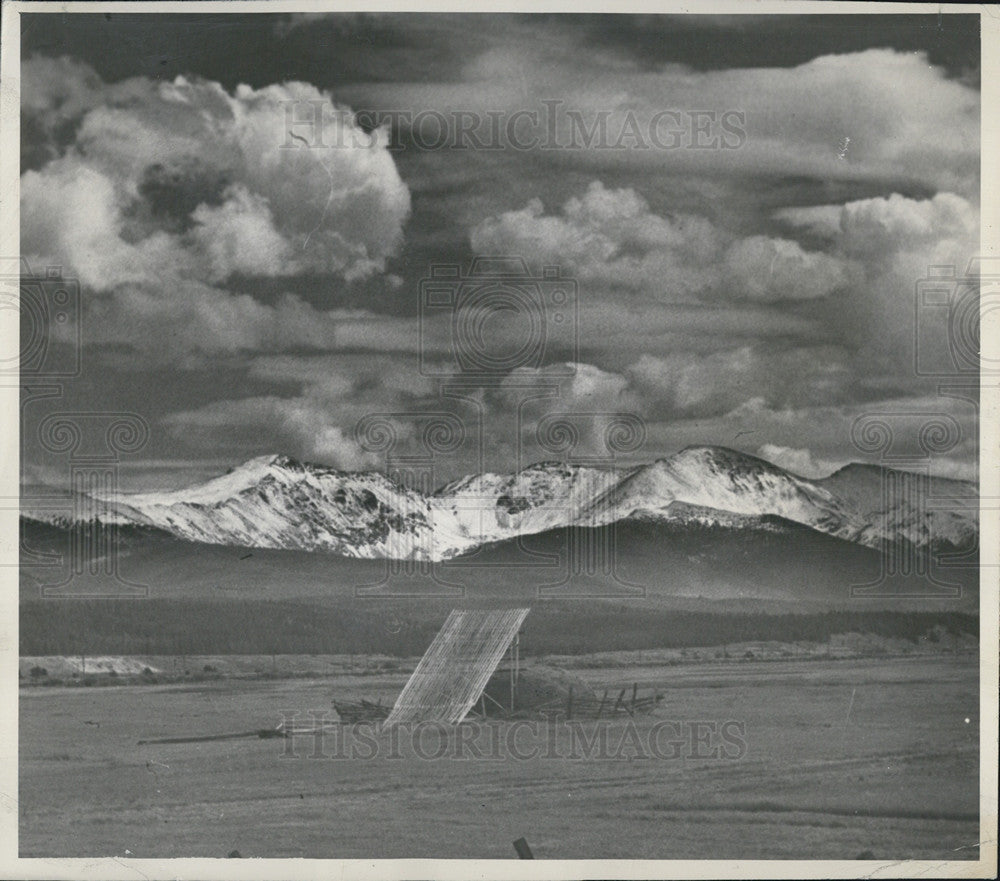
{"x":278,"y":501}
{"x":719,"y":460}
{"x":217,"y":489}
{"x":275,"y":460}
{"x":552,"y":465}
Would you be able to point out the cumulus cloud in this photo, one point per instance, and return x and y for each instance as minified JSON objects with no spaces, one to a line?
{"x":692,"y":384}
{"x":336,"y":376}
{"x":187,"y":152}
{"x":766,"y":269}
{"x":565,"y":410}
{"x":878,"y":114}
{"x":239,"y":235}
{"x":846,"y":310}
{"x":798,"y":461}
{"x":887,"y":245}
{"x":883,"y":226}
{"x":611,"y":237}
{"x":765,"y":325}
{"x":317,"y":420}
{"x":805,"y":464}
{"x":781,"y":434}
{"x":579,"y":386}
{"x":707,"y":321}
{"x":55,"y":94}
{"x":300,"y":426}
{"x":167,"y":188}
{"x":55,"y":90}
{"x":822,"y":221}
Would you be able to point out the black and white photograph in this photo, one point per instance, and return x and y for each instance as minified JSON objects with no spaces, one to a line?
{"x":504,"y":434}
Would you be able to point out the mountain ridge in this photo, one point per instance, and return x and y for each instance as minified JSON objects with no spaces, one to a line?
{"x":275,"y":501}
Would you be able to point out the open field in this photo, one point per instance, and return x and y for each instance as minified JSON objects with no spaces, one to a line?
{"x":838,"y":758}
{"x":101,"y":670}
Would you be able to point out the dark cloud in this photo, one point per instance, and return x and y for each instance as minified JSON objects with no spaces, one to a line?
{"x":259,"y":49}
{"x":171,"y":192}
{"x":334,"y":48}
{"x":249,"y":299}
{"x":711,"y":42}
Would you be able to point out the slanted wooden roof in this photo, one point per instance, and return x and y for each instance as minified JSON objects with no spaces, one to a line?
{"x":456,"y":667}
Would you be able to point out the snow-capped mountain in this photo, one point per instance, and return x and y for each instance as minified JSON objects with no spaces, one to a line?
{"x":714,"y":477}
{"x":902,"y":506}
{"x":276,"y":502}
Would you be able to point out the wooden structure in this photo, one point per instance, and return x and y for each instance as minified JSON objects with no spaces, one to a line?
{"x":626,"y":703}
{"x":538,"y":687}
{"x":453,"y":672}
{"x":360,"y":711}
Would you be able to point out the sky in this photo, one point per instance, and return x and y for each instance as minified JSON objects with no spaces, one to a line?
{"x":686,"y":230}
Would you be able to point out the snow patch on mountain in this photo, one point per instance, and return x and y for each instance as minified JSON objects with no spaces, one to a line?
{"x":277,"y":502}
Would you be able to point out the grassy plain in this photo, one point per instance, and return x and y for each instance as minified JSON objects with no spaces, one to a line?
{"x":843,"y":757}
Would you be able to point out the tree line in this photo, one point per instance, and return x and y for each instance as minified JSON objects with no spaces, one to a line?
{"x":405,"y":629}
